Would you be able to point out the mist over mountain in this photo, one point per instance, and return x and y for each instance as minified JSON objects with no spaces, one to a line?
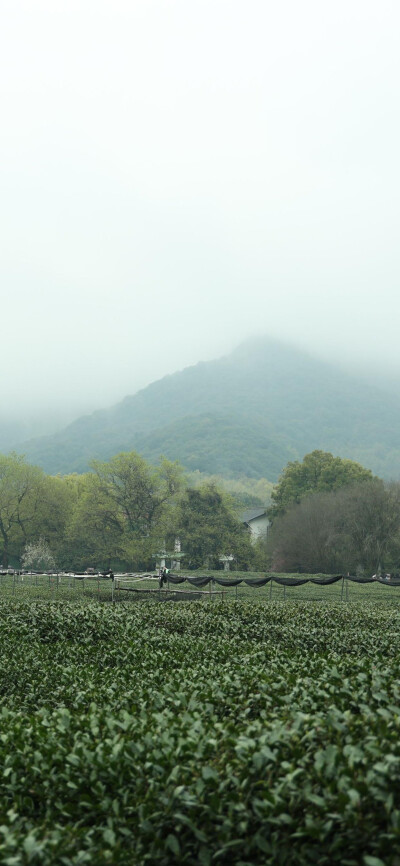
{"x":16,"y":429}
{"x":244,"y":414}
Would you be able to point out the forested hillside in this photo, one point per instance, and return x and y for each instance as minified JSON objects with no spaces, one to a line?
{"x":246,"y":414}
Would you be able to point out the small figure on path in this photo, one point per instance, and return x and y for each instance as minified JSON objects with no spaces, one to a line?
{"x":162,"y":576}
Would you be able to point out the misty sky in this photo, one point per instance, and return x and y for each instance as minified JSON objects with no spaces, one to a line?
{"x":177,"y":175}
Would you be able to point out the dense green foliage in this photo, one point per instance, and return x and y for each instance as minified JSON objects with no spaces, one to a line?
{"x":352,"y":528}
{"x":126,"y":512}
{"x":120,"y":515}
{"x":246,"y":414}
{"x":199,"y":734}
{"x":318,"y":472}
{"x":122,"y":511}
{"x":209,"y":527}
{"x":31,"y":505}
{"x":330,"y":514}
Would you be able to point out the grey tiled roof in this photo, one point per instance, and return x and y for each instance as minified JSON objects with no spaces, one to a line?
{"x":252,"y":513}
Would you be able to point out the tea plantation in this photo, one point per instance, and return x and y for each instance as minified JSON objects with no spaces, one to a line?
{"x":200,"y":733}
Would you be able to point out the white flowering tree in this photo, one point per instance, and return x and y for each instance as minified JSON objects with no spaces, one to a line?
{"x":37,"y":556}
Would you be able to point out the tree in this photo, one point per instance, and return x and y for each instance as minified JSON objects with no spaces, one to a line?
{"x":304,"y":538}
{"x":369,"y":524}
{"x":21,"y":486}
{"x":356,"y":526}
{"x":122,"y":510}
{"x":37,"y":556}
{"x":208,"y":527}
{"x":53,"y":511}
{"x":94,"y":532}
{"x":319,"y":471}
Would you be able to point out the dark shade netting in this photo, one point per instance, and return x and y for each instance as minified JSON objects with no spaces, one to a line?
{"x":326,"y":581}
{"x":356,"y":579}
{"x":257,"y":581}
{"x":199,"y":581}
{"x":173,"y":578}
{"x":290,"y":581}
{"x":204,"y":580}
{"x":222,"y":582}
{"x":391,"y":581}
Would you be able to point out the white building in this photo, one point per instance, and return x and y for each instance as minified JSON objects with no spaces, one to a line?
{"x":257,"y":521}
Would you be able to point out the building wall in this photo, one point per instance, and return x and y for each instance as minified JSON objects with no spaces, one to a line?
{"x":259,"y":526}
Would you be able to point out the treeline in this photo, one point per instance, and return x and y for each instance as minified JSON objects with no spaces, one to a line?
{"x":327,"y":515}
{"x":120,"y":514}
{"x":331,"y":515}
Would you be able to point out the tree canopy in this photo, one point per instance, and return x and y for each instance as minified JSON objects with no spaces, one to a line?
{"x":328,"y":514}
{"x":20,"y":489}
{"x":318,"y":472}
{"x":355,"y":527}
{"x":121,"y":514}
{"x":208,"y":527}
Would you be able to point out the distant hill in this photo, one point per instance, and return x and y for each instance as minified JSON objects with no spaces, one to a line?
{"x":15,"y":431}
{"x":245,"y":414}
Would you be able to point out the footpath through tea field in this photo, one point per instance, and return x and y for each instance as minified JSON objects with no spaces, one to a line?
{"x":200,"y":733}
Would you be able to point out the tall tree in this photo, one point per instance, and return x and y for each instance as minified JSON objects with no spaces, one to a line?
{"x":369,"y":524}
{"x":122,"y":509}
{"x":358,"y":525}
{"x":53,"y":513}
{"x":319,"y":472}
{"x":95,"y":532}
{"x":209,"y":527}
{"x":20,"y":488}
{"x":304,"y":538}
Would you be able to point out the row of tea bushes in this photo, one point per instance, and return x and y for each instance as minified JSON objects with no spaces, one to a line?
{"x":199,"y":734}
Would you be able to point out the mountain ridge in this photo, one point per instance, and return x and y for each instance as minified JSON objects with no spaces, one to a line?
{"x":255,"y":409}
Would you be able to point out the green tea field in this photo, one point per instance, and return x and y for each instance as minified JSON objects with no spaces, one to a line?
{"x":249,"y":731}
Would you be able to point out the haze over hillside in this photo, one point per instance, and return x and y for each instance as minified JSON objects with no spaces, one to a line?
{"x":201,"y":185}
{"x":245,"y":414}
{"x":17,"y":426}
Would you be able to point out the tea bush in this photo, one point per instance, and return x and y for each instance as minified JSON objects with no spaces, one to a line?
{"x":199,"y":734}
